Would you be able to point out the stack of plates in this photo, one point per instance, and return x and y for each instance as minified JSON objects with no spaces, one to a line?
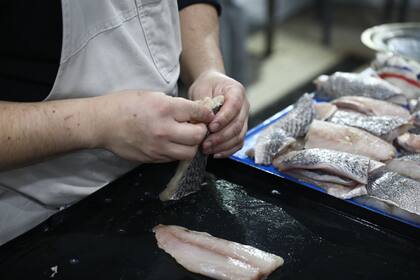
{"x":399,"y":38}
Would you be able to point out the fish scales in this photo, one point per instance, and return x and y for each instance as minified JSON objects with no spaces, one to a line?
{"x":395,"y":189}
{"x":345,"y":84}
{"x":352,"y":166}
{"x":385,"y":127}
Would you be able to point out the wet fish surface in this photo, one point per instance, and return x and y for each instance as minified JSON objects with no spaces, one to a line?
{"x":324,"y":110}
{"x":202,"y":253}
{"x":352,"y":140}
{"x":342,"y":164}
{"x":370,"y":106}
{"x":409,"y":142}
{"x":190,"y":173}
{"x":385,"y":127}
{"x":408,"y":166}
{"x":350,"y":84}
{"x":279,"y":136}
{"x":395,"y":189}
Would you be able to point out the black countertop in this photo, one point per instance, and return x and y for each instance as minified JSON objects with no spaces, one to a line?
{"x":109,"y":234}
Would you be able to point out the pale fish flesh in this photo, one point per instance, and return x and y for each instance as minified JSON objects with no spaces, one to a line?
{"x":324,"y":110}
{"x":190,"y":173}
{"x":399,"y":71}
{"x":352,"y":140}
{"x":346,"y":84}
{"x":337,"y":163}
{"x":370,"y":106}
{"x":385,"y":127}
{"x":279,"y":136}
{"x":395,"y":189}
{"x":408,"y":166}
{"x":202,"y":253}
{"x":409,"y":142}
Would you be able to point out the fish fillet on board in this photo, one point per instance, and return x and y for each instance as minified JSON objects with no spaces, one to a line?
{"x":279,"y":136}
{"x":352,"y":140}
{"x":214,"y":257}
{"x":351,"y":84}
{"x":190,"y":173}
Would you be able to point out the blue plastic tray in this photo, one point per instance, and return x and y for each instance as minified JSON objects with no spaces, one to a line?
{"x":250,"y":138}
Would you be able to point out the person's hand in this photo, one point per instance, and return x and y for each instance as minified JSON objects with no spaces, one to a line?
{"x":150,"y":126}
{"x":228,"y":128}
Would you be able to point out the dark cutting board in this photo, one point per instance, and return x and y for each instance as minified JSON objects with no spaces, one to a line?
{"x":109,"y":234}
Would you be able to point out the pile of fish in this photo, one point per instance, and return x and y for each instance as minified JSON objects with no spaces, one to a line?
{"x":359,"y":138}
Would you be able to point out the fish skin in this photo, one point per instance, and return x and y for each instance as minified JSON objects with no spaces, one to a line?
{"x":281,"y":135}
{"x":342,"y":164}
{"x":395,"y":189}
{"x":385,"y":127}
{"x":189,"y":174}
{"x":409,"y":142}
{"x":370,"y":106}
{"x":408,"y":165}
{"x":416,"y":118}
{"x":350,"y":84}
{"x":352,"y":140}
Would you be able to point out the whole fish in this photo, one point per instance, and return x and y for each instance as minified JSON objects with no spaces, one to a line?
{"x":370,"y":106}
{"x":385,"y":127}
{"x":190,"y":173}
{"x":408,"y":166}
{"x":337,"y":163}
{"x":395,"y":189}
{"x":352,"y":140}
{"x":279,"y":136}
{"x":345,"y":84}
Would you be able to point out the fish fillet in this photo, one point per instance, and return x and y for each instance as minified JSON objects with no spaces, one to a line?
{"x":324,"y":110}
{"x":350,"y":84}
{"x":190,"y":173}
{"x":278,"y":137}
{"x":337,"y":163}
{"x":385,"y":127}
{"x":370,"y":106}
{"x":213,"y":257}
{"x":408,"y":166}
{"x":348,"y":139}
{"x":410,"y":142}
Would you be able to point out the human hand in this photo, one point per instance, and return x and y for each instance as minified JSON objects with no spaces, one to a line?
{"x":150,"y":126}
{"x":228,"y":128}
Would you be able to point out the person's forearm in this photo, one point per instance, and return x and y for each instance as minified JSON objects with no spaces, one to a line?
{"x":30,"y":132}
{"x":200,"y":42}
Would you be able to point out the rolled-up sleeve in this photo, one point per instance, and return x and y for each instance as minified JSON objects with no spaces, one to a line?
{"x":185,"y":3}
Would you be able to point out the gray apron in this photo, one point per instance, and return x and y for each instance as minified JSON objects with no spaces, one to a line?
{"x":108,"y":45}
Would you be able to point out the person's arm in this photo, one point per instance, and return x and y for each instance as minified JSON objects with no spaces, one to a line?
{"x":202,"y":68}
{"x":140,"y":126}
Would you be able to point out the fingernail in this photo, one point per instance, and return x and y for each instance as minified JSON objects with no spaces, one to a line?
{"x":217,"y":156}
{"x":214,"y":126}
{"x":207,"y":145}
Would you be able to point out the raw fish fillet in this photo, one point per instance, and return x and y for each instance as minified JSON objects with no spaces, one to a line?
{"x":395,"y":189}
{"x":324,"y":110}
{"x":337,"y":163}
{"x":408,"y":166}
{"x":279,"y":136}
{"x":409,"y":142}
{"x":190,"y":173}
{"x":385,"y":127}
{"x":348,"y":139}
{"x":347,"y":84}
{"x":213,"y":257}
{"x":370,"y":106}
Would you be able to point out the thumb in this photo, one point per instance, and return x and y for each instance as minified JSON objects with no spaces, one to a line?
{"x":190,"y":111}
